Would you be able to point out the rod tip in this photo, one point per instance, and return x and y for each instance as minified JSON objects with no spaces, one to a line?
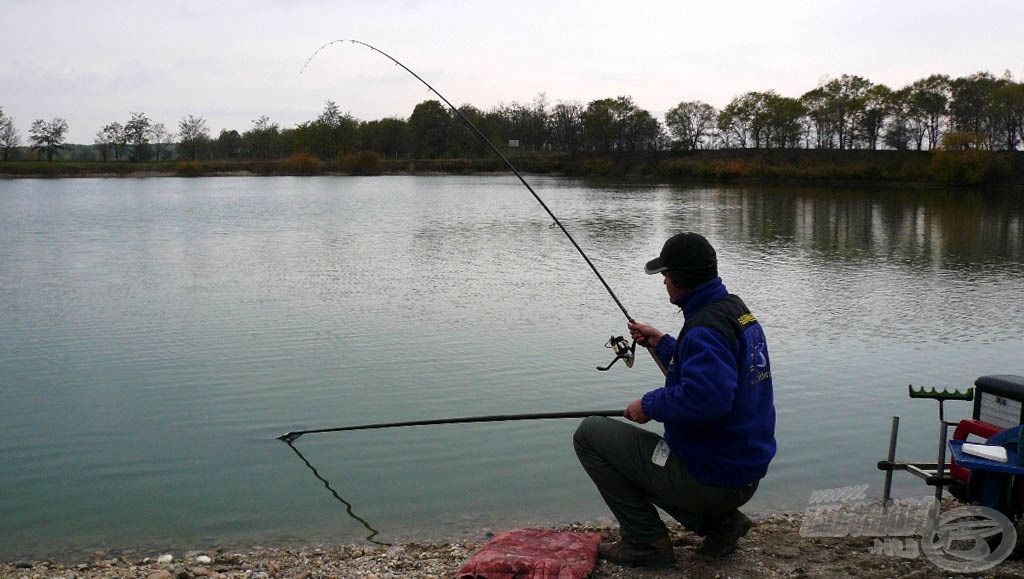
{"x":289,"y":437}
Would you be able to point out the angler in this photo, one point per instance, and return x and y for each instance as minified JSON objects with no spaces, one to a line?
{"x":717,"y":408}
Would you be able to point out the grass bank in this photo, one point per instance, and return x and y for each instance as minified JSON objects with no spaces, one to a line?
{"x":957,"y":168}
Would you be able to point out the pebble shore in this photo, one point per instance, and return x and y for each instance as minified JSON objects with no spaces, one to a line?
{"x":773,"y":548}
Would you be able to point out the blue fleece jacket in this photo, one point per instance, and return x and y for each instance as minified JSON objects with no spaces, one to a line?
{"x":717,"y":403}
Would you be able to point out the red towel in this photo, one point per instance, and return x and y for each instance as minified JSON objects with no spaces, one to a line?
{"x":534,"y":554}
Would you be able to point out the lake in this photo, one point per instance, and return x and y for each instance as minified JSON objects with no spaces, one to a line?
{"x":157,"y":335}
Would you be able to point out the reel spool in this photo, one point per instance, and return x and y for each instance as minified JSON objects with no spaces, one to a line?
{"x":623,"y":351}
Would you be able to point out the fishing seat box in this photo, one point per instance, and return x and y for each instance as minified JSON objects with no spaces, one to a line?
{"x":999,"y":400}
{"x":998,"y":405}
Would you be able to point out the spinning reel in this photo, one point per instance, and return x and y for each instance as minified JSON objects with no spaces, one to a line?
{"x":623,"y":351}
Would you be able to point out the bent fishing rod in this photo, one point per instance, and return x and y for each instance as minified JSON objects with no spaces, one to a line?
{"x":623,"y":350}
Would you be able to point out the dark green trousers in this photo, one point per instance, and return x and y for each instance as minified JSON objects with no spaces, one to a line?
{"x":617,"y":456}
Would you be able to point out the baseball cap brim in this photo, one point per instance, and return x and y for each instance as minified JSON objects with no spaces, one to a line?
{"x":656,"y":265}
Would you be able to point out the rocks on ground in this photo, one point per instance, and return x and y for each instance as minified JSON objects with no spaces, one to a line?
{"x":773,"y":548}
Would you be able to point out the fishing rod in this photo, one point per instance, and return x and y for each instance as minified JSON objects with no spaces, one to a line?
{"x":622,"y":349}
{"x":290,"y":437}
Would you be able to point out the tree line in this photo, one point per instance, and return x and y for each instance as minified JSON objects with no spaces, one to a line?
{"x":979,"y":111}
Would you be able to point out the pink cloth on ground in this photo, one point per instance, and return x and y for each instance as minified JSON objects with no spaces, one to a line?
{"x":534,"y":554}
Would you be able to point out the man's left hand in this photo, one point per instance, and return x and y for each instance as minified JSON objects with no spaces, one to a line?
{"x":635,"y":412}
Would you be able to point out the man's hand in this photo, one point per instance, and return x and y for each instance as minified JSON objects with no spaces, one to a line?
{"x":644,"y":334}
{"x":635,"y":412}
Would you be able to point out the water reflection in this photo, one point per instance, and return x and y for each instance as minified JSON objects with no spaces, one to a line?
{"x":947,"y":229}
{"x":916,"y":228}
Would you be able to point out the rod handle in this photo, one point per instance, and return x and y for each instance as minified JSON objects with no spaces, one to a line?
{"x":657,"y":360}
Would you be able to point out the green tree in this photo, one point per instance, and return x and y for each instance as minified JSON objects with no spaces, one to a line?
{"x":823,"y":120}
{"x":431,"y":128}
{"x":193,"y":136}
{"x":783,"y":119}
{"x":690,"y":123}
{"x":846,"y":96}
{"x":229,"y":144}
{"x":137,"y":132}
{"x":833,"y":107}
{"x":332,"y":134}
{"x":526,"y":123}
{"x":603,"y":124}
{"x":464,"y":142}
{"x":872,"y":113}
{"x":927,"y":107}
{"x":745,"y":120}
{"x":1008,"y":114}
{"x":263,"y":141}
{"x":644,"y":132}
{"x":48,"y":136}
{"x":618,"y":125}
{"x":897,"y":132}
{"x":390,"y":137}
{"x":970,"y":107}
{"x":566,"y":127}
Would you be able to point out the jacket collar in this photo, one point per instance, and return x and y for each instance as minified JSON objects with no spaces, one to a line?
{"x":701,"y":295}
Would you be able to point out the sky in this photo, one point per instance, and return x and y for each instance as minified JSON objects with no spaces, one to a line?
{"x":231,"y":62}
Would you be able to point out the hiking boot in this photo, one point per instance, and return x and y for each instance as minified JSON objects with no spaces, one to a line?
{"x":655,"y":555}
{"x":723,"y":534}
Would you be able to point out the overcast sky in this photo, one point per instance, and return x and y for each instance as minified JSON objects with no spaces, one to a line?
{"x":95,"y":62}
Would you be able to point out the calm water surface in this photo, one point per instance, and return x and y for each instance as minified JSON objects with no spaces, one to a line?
{"x":157,"y":335}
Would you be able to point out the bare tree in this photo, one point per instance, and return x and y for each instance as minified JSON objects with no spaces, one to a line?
{"x":193,"y":134}
{"x":113,"y":136}
{"x":10,"y":138}
{"x":162,"y":139}
{"x":689,"y":122}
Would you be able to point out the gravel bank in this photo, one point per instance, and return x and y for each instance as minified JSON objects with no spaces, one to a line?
{"x":774,"y":548}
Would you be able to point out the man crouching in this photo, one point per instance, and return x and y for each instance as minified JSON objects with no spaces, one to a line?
{"x":718,"y":414}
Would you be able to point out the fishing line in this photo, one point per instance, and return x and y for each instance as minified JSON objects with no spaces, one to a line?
{"x":497,"y":151}
{"x":348,"y":505}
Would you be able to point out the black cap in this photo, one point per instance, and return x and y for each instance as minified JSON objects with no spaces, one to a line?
{"x":688,"y":253}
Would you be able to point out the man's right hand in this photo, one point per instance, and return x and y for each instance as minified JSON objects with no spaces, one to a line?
{"x":645,"y":334}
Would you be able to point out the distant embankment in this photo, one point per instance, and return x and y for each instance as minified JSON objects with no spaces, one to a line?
{"x":970,"y":167}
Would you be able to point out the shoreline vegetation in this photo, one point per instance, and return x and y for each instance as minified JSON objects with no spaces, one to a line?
{"x":957,"y":168}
